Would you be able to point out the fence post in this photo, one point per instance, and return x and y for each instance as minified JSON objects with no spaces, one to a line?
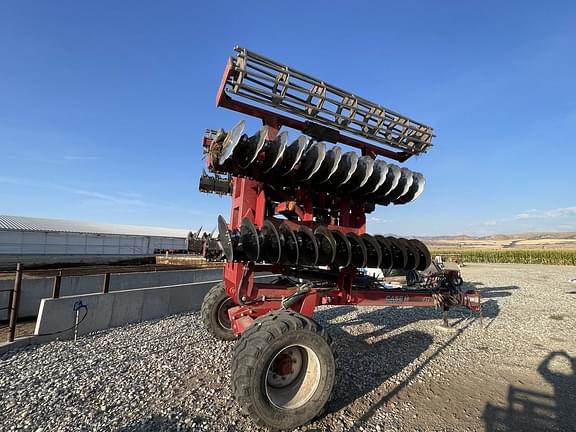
{"x":15,"y":304}
{"x":106,"y":285}
{"x":57,"y":282}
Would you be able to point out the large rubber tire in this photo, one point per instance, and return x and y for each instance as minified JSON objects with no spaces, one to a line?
{"x":283,"y":399}
{"x":215,"y":313}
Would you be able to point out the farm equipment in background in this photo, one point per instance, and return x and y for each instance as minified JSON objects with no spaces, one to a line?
{"x":206,"y":245}
{"x":446,"y":274}
{"x":299,"y":206}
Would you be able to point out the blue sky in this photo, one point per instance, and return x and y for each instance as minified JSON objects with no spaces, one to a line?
{"x":103,"y":104}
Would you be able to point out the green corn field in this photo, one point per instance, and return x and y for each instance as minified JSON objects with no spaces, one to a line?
{"x":513,"y":256}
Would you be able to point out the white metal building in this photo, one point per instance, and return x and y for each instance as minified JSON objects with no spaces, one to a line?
{"x":36,"y":236}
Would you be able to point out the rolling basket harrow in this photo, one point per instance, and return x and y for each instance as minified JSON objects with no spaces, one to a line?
{"x":299,"y":208}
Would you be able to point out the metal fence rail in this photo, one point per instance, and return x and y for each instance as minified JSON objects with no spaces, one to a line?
{"x":13,"y":303}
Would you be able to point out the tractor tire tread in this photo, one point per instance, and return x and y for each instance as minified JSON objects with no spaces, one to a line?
{"x":256,"y":339}
{"x":212,"y":299}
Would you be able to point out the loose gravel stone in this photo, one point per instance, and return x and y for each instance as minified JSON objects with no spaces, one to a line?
{"x":397,"y":371}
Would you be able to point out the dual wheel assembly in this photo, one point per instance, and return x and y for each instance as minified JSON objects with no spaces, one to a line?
{"x":283,"y":366}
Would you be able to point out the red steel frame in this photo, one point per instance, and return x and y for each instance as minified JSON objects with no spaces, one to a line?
{"x":249,"y":200}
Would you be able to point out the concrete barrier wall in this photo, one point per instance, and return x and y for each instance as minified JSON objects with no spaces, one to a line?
{"x":121,"y":307}
{"x":34,"y":290}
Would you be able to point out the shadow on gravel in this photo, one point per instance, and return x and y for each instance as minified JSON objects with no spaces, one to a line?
{"x":493,"y":292}
{"x":390,"y":318}
{"x":161,"y":423}
{"x":371,"y":364}
{"x":535,"y":411}
{"x":372,"y":409}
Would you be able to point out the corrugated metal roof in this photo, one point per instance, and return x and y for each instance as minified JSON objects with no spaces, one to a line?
{"x":21,"y":223}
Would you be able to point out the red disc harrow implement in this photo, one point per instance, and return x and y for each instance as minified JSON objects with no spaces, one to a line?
{"x":299,"y":206}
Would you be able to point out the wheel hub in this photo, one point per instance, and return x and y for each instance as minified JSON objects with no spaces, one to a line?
{"x":223,"y":318}
{"x":292,"y":377}
{"x":285,"y":368}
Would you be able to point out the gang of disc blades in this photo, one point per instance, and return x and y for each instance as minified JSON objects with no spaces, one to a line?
{"x":248,"y":150}
{"x":421,"y":183}
{"x":249,"y":240}
{"x":345,"y":169}
{"x":373,"y":251}
{"x":231,"y":140}
{"x":360,"y":176}
{"x":271,"y":247}
{"x":359,"y":252}
{"x":225,"y":239}
{"x":425,"y":258}
{"x":412,"y":253}
{"x":329,"y":165}
{"x":307,"y":246}
{"x":386,"y":262}
{"x":274,"y":151}
{"x":343,"y":249}
{"x":399,"y":256}
{"x":326,"y":245}
{"x":376,"y":179}
{"x":289,"y":251}
{"x":290,"y":158}
{"x":311,"y":161}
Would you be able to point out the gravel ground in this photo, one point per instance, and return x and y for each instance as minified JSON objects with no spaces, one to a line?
{"x":397,"y":370}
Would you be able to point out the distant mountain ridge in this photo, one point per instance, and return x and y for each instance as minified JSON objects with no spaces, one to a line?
{"x":523,"y":236}
{"x":530,"y":240}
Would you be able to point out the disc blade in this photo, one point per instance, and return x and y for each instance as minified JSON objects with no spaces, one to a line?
{"x":225,"y":239}
{"x":250,"y":240}
{"x":345,"y":169}
{"x":290,"y":158}
{"x":360,"y":175}
{"x":359,"y":252}
{"x":421,"y":183}
{"x":329,"y":165}
{"x":289,"y":249}
{"x":274,"y":151}
{"x":391,"y":181}
{"x":326,"y":245}
{"x":399,"y":257}
{"x":386,"y":262}
{"x":231,"y":141}
{"x":343,"y":249}
{"x":373,"y":251}
{"x":376,"y":179}
{"x":425,"y":258}
{"x":271,"y":248}
{"x":412,"y":253}
{"x":307,"y":246}
{"x":409,"y":181}
{"x":311,"y":161}
{"x":415,"y":190}
{"x":402,"y":187}
{"x":248,"y":149}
